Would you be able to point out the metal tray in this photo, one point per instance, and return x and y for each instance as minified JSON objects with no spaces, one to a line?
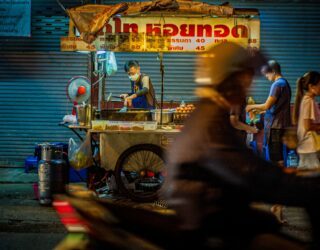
{"x":130,"y":115}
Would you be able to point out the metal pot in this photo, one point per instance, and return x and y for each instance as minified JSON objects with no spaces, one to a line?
{"x":167,"y":115}
{"x":83,"y":113}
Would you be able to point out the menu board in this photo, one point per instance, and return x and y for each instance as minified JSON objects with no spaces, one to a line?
{"x":174,"y":34}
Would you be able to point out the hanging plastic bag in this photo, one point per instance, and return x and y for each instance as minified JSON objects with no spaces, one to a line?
{"x":80,"y":156}
{"x":111,"y":63}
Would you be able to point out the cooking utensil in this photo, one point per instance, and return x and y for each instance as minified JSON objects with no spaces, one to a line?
{"x":124,"y":109}
{"x":132,"y":114}
{"x":110,"y":96}
{"x":83,"y":114}
{"x":167,"y":115}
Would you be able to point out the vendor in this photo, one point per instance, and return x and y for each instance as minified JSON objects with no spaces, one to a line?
{"x":142,"y":93}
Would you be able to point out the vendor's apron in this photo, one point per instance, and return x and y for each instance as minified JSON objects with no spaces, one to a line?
{"x":140,"y":101}
{"x":268,"y":120}
{"x":272,"y":141}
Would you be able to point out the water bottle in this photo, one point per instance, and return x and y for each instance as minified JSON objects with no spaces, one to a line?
{"x":250,"y":115}
{"x":292,"y":159}
{"x":250,"y":100}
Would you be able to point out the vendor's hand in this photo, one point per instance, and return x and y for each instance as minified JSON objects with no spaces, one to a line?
{"x":252,"y":130}
{"x":249,"y":108}
{"x":128,"y":102}
{"x":124,"y":96}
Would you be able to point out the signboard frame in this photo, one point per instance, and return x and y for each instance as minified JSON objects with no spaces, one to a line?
{"x":168,"y":34}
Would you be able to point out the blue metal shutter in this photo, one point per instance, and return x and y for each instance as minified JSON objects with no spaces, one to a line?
{"x":178,"y":76}
{"x":33,"y":100}
{"x":289,"y":34}
{"x":33,"y":79}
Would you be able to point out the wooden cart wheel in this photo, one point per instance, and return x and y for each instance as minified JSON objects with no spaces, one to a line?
{"x":140,"y":172}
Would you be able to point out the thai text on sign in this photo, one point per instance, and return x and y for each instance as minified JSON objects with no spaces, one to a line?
{"x":169,"y":34}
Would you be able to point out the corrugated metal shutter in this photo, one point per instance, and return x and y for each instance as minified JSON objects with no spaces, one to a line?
{"x":178,"y":77}
{"x":33,"y":78}
{"x":289,"y":34}
{"x":33,"y":100}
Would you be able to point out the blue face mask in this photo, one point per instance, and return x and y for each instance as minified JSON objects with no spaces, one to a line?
{"x":134,"y":77}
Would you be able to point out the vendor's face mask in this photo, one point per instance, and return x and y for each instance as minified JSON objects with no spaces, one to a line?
{"x":134,"y":73}
{"x":134,"y":77}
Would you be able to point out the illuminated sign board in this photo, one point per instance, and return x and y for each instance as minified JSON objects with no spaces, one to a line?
{"x":169,"y":34}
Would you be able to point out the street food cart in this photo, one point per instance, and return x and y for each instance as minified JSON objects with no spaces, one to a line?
{"x":134,"y":149}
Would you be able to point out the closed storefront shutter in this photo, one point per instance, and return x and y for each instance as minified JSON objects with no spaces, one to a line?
{"x":289,"y":34}
{"x":33,"y":79}
{"x":34,"y":73}
{"x":178,"y":74}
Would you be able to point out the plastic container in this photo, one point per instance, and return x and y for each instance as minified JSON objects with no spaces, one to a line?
{"x":30,"y":163}
{"x":112,"y":125}
{"x":125,"y":126}
{"x":138,"y":126}
{"x":292,"y":159}
{"x":150,"y":125}
{"x":98,"y":124}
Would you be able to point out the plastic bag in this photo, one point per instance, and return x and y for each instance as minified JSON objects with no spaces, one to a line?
{"x":111,"y":63}
{"x":80,"y":156}
{"x":70,"y":118}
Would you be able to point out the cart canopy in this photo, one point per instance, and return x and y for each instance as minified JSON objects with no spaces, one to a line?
{"x":162,"y":25}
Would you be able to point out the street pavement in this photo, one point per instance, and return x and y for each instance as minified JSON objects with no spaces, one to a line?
{"x":24,"y":224}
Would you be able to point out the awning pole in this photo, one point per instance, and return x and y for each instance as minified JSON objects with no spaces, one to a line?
{"x":162,"y":84}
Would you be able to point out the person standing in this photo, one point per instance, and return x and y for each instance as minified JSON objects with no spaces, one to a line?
{"x":277,"y":112}
{"x":238,"y":121}
{"x":142,"y":94}
{"x":307,"y":116}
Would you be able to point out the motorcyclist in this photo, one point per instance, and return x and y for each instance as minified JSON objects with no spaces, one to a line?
{"x":213,"y":178}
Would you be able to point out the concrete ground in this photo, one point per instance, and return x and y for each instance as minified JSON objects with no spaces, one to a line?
{"x":24,"y":224}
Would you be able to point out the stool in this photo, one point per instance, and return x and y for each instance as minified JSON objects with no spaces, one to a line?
{"x":31,"y":162}
{"x":77,"y":175}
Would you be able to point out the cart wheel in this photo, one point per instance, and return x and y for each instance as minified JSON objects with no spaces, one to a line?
{"x":140,"y":172}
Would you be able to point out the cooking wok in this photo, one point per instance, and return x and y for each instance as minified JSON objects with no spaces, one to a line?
{"x":132,"y":114}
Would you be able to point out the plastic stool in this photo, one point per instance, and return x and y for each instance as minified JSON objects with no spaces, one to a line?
{"x":78,"y":175}
{"x":31,"y":162}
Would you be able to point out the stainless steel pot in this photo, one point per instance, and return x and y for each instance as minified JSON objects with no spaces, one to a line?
{"x":83,"y":113}
{"x":167,"y":115}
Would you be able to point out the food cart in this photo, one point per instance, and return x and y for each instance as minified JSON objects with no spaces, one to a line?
{"x":134,"y":149}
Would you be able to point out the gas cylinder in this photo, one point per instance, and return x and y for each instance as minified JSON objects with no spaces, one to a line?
{"x":45,"y":180}
{"x":52,"y":171}
{"x":60,"y":170}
